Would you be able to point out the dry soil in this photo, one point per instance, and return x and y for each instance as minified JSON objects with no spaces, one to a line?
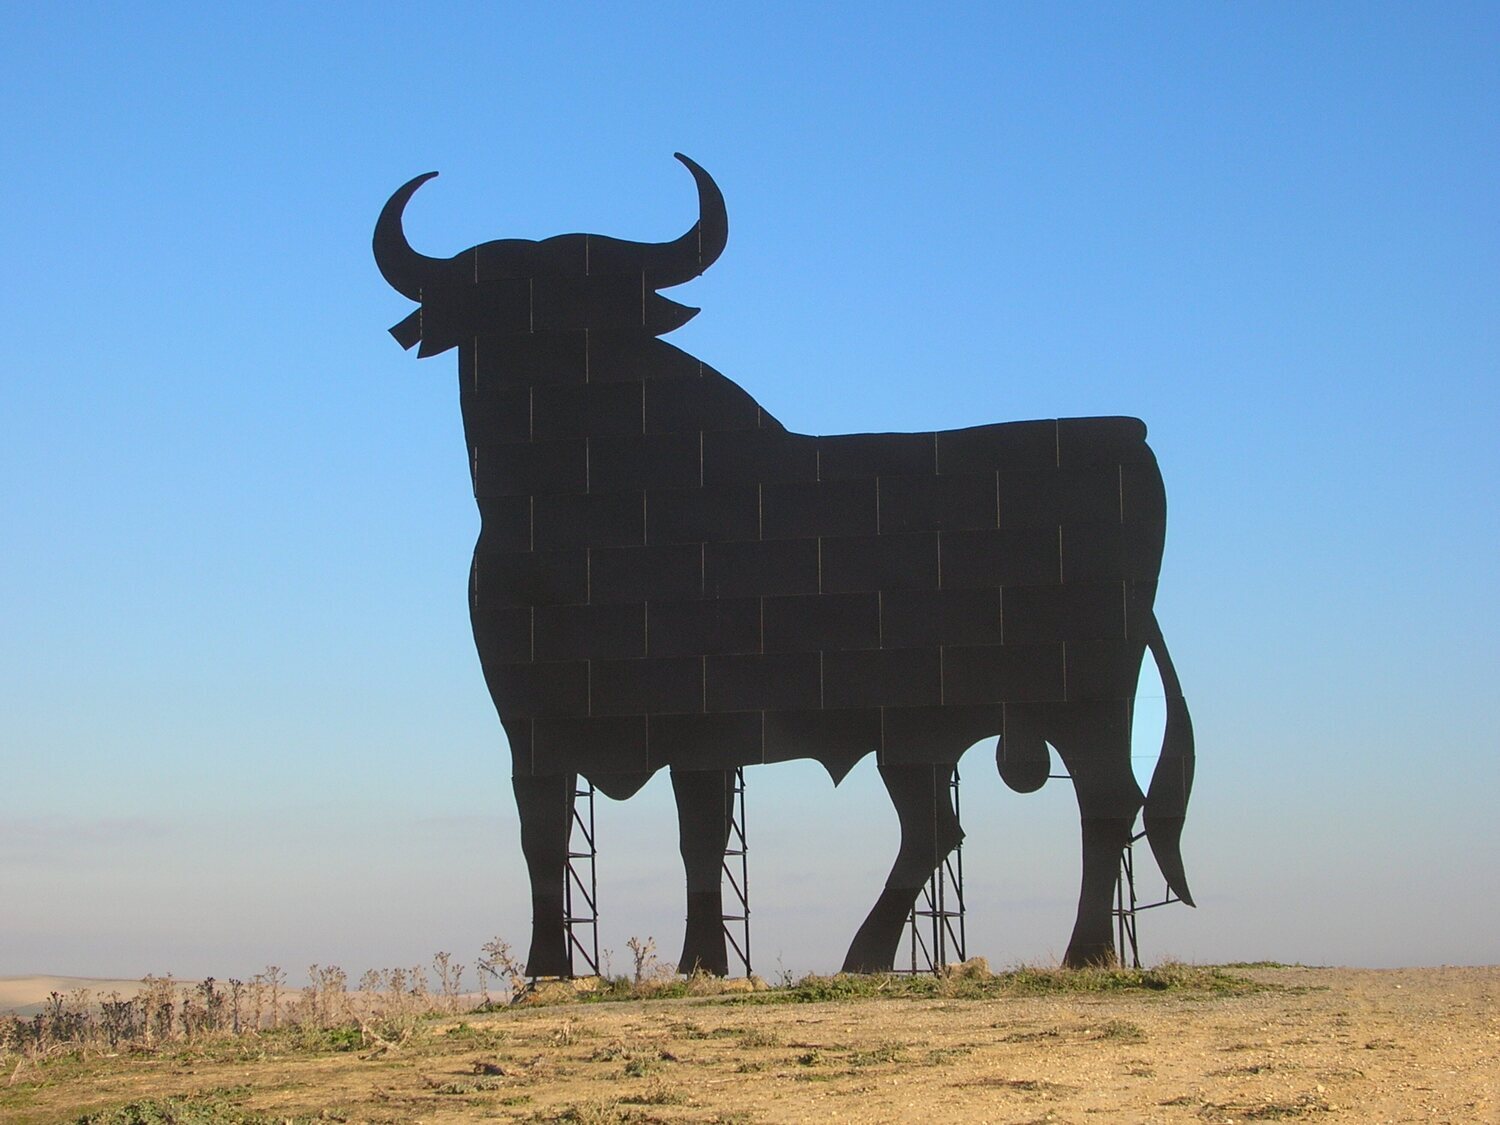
{"x":1331,"y":1045}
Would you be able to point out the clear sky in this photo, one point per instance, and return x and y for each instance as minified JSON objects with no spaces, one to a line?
{"x":241,"y":718}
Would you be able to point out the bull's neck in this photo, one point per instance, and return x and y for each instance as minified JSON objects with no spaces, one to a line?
{"x":558,"y":386}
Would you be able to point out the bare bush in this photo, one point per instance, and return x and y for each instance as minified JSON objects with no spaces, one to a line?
{"x":450,"y":977}
{"x":385,"y":1008}
{"x":644,"y":955}
{"x":498,"y":964}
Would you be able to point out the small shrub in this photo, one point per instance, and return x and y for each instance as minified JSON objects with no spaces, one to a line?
{"x":875,"y":1056}
{"x":476,"y":1085}
{"x":1122,"y":1031}
{"x":639,"y":1067}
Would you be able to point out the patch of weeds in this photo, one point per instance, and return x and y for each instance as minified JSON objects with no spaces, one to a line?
{"x":1305,"y":1106}
{"x":1032,"y":1036}
{"x":611,"y":988}
{"x":212,"y":1107}
{"x":758,"y":1037}
{"x":691,"y":1030}
{"x":342,"y":1039}
{"x":1122,"y":1031}
{"x":1242,"y":1071}
{"x":1028,"y":1086}
{"x":1166,"y":977}
{"x":844,"y":986}
{"x":875,"y":1056}
{"x":477,"y":1037}
{"x":299,"y":1039}
{"x":566,"y":1034}
{"x":586,"y":1113}
{"x":938,"y":1056}
{"x":622,"y":988}
{"x":1170,"y":976}
{"x":655,"y":1093}
{"x":972,"y":981}
{"x":476,"y":1085}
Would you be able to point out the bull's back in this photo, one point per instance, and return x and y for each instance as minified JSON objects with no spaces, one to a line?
{"x":705,"y":589}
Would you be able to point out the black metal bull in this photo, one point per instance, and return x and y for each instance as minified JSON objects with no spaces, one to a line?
{"x":666,"y":576}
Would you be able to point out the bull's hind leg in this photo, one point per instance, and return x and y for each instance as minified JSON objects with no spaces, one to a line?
{"x":1093,"y":741}
{"x":705,"y":806}
{"x":545,"y":805}
{"x":929,"y":831}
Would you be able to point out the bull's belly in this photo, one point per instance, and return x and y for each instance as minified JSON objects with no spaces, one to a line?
{"x":896,"y":603}
{"x":710,"y":684}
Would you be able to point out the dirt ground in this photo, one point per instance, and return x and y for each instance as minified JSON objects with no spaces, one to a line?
{"x":1329,"y":1044}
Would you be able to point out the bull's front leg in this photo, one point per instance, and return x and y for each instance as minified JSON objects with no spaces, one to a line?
{"x":705,"y":807}
{"x":545,"y":805}
{"x":929,"y":831}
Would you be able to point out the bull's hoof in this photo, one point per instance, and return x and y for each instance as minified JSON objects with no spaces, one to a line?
{"x":549,"y":958}
{"x":1095,"y":955}
{"x":851,"y":965}
{"x":873,"y":949}
{"x":703,"y":946}
{"x":714,"y":966}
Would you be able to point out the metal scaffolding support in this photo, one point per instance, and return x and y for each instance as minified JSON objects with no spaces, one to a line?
{"x":1127,"y":906}
{"x":737,"y":874}
{"x":581,"y":887}
{"x":940,"y":910}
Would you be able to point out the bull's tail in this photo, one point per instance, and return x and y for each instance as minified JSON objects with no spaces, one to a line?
{"x":1172,"y":781}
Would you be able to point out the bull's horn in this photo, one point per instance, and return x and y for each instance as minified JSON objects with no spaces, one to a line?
{"x":672,"y":263}
{"x":401,"y":266}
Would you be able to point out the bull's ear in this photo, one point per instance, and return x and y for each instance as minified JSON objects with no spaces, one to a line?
{"x":409,"y":331}
{"x":664,"y":315}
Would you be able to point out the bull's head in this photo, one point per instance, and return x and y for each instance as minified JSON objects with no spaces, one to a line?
{"x":571,"y":282}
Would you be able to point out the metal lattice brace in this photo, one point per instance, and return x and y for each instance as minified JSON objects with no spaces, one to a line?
{"x":581,"y":887}
{"x":737,"y":926}
{"x":1126,"y":905}
{"x":940,"y":909}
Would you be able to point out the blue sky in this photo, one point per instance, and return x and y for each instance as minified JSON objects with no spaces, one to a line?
{"x":241,"y":720}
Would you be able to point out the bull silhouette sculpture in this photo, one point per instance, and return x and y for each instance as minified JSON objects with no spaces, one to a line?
{"x":667,"y":576}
